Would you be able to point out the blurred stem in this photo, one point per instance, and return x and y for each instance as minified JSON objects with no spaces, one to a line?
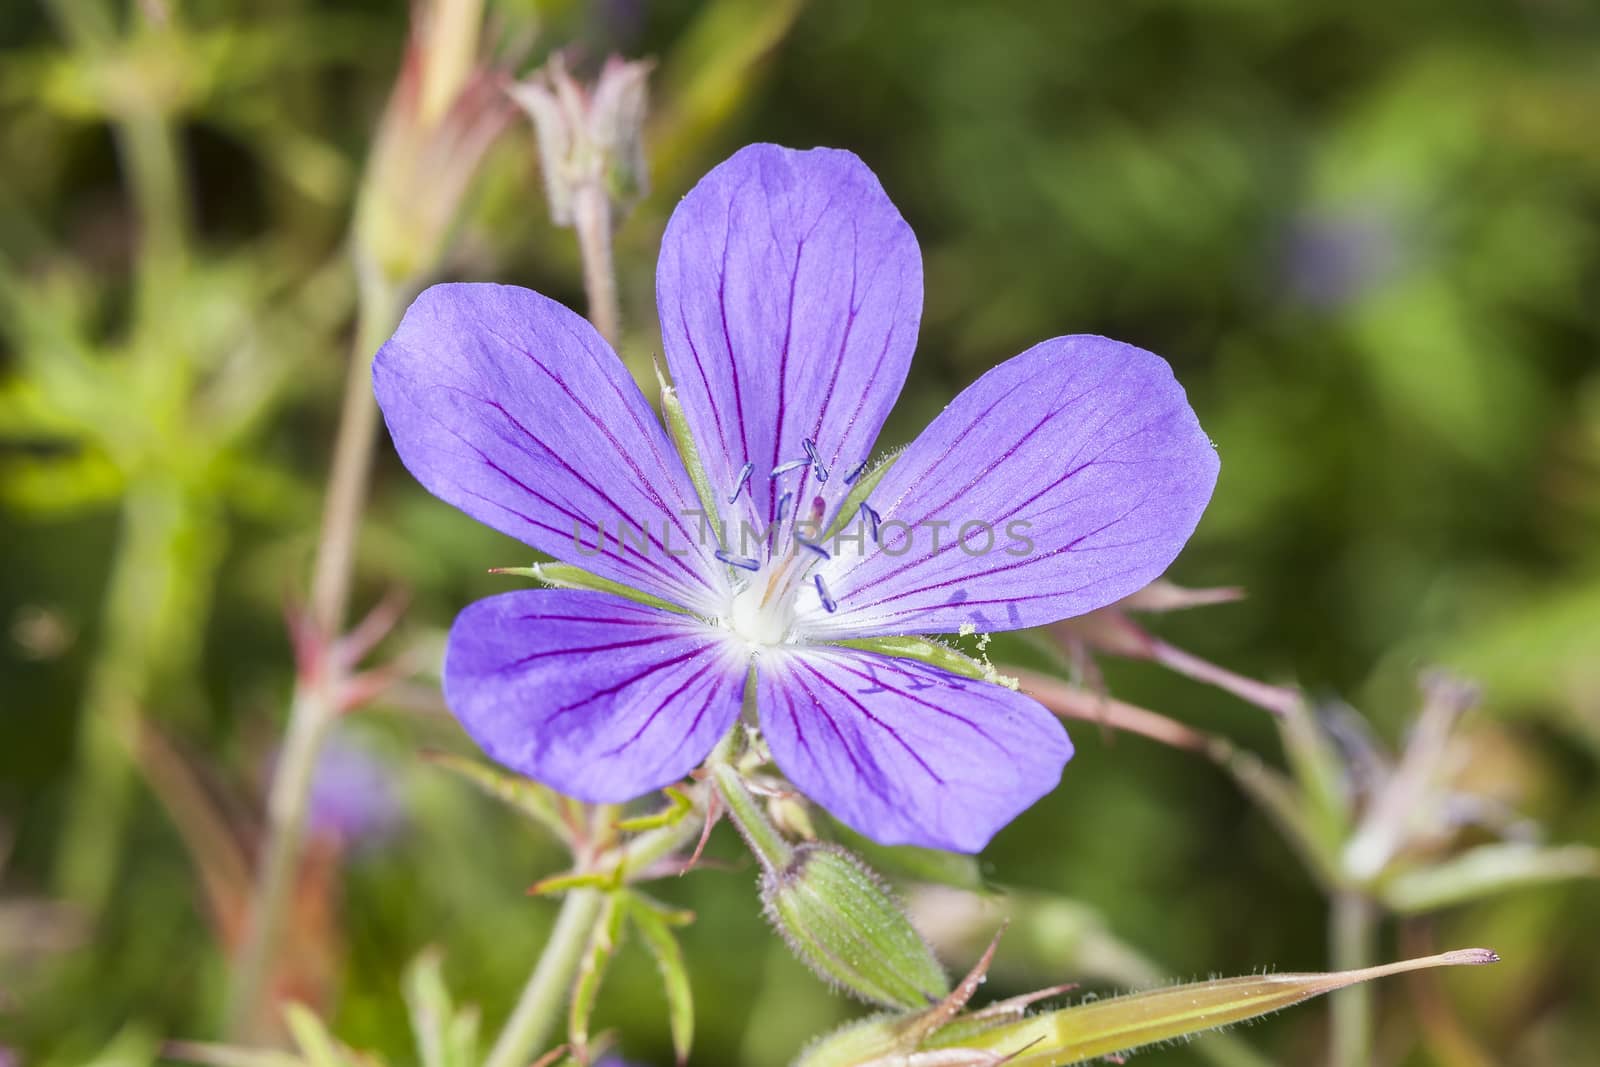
{"x":153,"y":612}
{"x":591,"y":210}
{"x":545,"y":995}
{"x":1353,"y":935}
{"x":378,"y":312}
{"x":150,"y":155}
{"x":147,"y":143}
{"x":314,"y":707}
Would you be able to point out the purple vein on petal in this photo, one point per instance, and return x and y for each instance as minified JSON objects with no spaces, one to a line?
{"x":891,"y":731}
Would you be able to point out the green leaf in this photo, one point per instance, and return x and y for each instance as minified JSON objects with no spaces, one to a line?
{"x":211,"y":1055}
{"x":656,"y":929}
{"x":428,"y":1002}
{"x":603,"y":940}
{"x":311,"y":1034}
{"x":678,"y":808}
{"x":61,"y":486}
{"x":1484,"y":871}
{"x":536,"y":801}
{"x":133,"y":1046}
{"x":566,"y":576}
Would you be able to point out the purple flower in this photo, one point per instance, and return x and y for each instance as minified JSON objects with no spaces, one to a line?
{"x":790,"y":291}
{"x":353,"y":795}
{"x":1332,"y":259}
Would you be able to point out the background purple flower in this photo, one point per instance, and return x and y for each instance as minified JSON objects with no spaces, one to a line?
{"x":353,"y":795}
{"x":790,"y":292}
{"x":1332,"y":258}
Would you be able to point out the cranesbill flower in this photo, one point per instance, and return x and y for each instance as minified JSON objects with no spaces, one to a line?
{"x":790,"y":291}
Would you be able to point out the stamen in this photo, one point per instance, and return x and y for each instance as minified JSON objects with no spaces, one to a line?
{"x":873,"y":519}
{"x":784,"y":468}
{"x":828,"y":603}
{"x":813,"y":546}
{"x":816,"y":463}
{"x":783,"y":505}
{"x":742,"y":562}
{"x":853,"y":475}
{"x":744,"y":476}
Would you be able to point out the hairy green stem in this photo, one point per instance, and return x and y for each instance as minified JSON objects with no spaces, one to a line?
{"x":769,"y":846}
{"x":545,"y":995}
{"x":1353,"y":937}
{"x":314,"y":706}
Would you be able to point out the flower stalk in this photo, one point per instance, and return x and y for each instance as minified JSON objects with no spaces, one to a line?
{"x":315,"y":704}
{"x":543,"y":998}
{"x":744,"y":809}
{"x":592,"y":221}
{"x":1353,"y":945}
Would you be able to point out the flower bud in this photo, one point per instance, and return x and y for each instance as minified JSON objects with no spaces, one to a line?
{"x":590,"y":136}
{"x":843,"y":922}
{"x":447,"y":109}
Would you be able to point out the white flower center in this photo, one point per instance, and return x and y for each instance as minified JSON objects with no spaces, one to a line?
{"x":759,"y":615}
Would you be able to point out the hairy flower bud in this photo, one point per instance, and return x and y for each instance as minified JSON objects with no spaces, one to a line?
{"x":446,"y":110}
{"x":589,"y":136}
{"x":844,"y":923}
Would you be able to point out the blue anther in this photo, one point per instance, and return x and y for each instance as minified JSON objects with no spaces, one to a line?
{"x":744,"y":476}
{"x":873,"y":519}
{"x":784,"y":468}
{"x":853,"y":475}
{"x":742,"y":562}
{"x":783,"y":505}
{"x":816,"y":462}
{"x":828,"y":603}
{"x":813,"y":546}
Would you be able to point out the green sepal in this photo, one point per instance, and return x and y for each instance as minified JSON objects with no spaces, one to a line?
{"x":933,"y":653}
{"x":678,"y":429}
{"x":863,"y":487}
{"x":566,"y":576}
{"x":843,"y":922}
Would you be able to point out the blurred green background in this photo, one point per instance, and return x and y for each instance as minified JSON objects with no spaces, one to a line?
{"x":1367,"y":236}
